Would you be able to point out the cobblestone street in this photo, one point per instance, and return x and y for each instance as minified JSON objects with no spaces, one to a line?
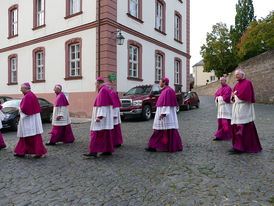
{"x":203,"y":174}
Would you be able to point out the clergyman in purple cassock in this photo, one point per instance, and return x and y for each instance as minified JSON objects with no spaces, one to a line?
{"x":165,"y":136}
{"x":245,"y":136}
{"x":2,"y":116}
{"x":117,"y":137}
{"x":224,"y":114}
{"x":61,"y":123}
{"x":30,"y":125}
{"x":101,"y":122}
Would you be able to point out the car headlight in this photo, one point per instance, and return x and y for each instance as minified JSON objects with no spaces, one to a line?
{"x":137,"y":103}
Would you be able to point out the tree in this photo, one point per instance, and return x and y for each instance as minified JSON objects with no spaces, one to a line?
{"x":244,"y":15}
{"x":258,"y":38}
{"x":217,"y":52}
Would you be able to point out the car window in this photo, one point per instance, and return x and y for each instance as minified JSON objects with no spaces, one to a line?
{"x":42,"y":102}
{"x":12,"y":103}
{"x":156,"y":89}
{"x":139,"y":91}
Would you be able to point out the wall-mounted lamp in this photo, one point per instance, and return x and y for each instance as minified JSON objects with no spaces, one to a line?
{"x":119,"y":37}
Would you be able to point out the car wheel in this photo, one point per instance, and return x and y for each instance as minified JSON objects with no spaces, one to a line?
{"x":15,"y":124}
{"x":146,"y":113}
{"x":123,"y":117}
{"x":177,"y":108}
{"x":188,"y":107}
{"x":198,"y":105}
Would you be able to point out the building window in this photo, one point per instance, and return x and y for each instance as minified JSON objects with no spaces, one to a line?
{"x":160,"y":15}
{"x":212,"y":78}
{"x":159,"y":65}
{"x":73,"y":8}
{"x":38,"y":56}
{"x":74,"y":59}
{"x":134,"y":61}
{"x":39,"y":13}
{"x":12,"y":65}
{"x":177,"y":71}
{"x":177,"y":26}
{"x":133,"y":8}
{"x":13,"y":21}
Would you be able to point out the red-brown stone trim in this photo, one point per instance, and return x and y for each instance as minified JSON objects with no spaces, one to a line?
{"x":9,"y":69}
{"x":140,"y":11}
{"x":176,"y":13}
{"x":35,"y":27}
{"x":15,"y":6}
{"x":164,"y":16}
{"x":67,"y":58}
{"x":68,"y":15}
{"x":140,"y":61}
{"x":176,"y":59}
{"x":39,"y":49}
{"x":158,"y":52}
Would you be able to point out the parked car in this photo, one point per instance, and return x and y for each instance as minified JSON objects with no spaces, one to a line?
{"x":189,"y":100}
{"x":4,"y":99}
{"x":11,"y":112}
{"x":140,"y":101}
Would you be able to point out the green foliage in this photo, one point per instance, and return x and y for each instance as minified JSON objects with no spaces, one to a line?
{"x":217,"y":52}
{"x":244,"y":15}
{"x":258,"y":38}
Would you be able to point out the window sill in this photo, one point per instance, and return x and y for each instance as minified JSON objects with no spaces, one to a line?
{"x":135,"y":79}
{"x":10,"y":37}
{"x":38,"y":81}
{"x":73,"y":15}
{"x":38,"y":27}
{"x":73,"y":78}
{"x":135,"y":18}
{"x":161,"y":32}
{"x":15,"y":83}
{"x":180,"y":42}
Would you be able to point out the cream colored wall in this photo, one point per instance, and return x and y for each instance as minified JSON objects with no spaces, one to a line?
{"x":200,"y":76}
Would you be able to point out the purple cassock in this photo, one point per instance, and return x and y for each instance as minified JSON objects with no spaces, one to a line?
{"x":2,"y":143}
{"x":222,"y":98}
{"x":117,"y":137}
{"x":61,"y":129}
{"x":32,"y":144}
{"x":245,"y":136}
{"x":101,"y":134}
{"x":166,"y":136}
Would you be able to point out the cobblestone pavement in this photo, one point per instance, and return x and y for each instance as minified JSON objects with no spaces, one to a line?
{"x":203,"y":174}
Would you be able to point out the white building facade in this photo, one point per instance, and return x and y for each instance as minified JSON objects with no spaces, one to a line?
{"x":48,"y":42}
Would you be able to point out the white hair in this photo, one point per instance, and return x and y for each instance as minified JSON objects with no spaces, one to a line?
{"x":240,"y":71}
{"x":25,"y":86}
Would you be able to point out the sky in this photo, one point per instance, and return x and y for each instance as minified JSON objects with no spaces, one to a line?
{"x":206,"y":13}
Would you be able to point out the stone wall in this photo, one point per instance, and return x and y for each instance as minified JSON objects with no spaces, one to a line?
{"x":259,"y":69}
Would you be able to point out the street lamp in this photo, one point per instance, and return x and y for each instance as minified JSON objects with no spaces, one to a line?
{"x":119,"y":37}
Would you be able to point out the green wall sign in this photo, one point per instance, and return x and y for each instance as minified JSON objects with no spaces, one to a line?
{"x":112,"y":77}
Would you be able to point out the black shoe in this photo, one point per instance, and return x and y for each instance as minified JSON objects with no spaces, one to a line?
{"x":50,"y":144}
{"x":106,"y":153}
{"x":118,"y":145}
{"x":90,"y":155}
{"x":2,"y":147}
{"x":234,"y":152}
{"x":149,"y":149}
{"x":17,"y":155}
{"x":217,"y":139}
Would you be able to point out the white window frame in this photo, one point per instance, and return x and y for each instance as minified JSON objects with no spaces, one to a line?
{"x":159,"y":16}
{"x":177,"y":72}
{"x":75,"y":6}
{"x":13,"y":70}
{"x":133,"y":63}
{"x":212,"y":78}
{"x":74,"y":59}
{"x":159,"y":67}
{"x":177,"y":27}
{"x":14,"y":22}
{"x":40,"y":13}
{"x":39,"y":65}
{"x":134,"y":8}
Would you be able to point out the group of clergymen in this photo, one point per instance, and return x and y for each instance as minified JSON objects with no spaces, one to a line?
{"x":235,"y":120}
